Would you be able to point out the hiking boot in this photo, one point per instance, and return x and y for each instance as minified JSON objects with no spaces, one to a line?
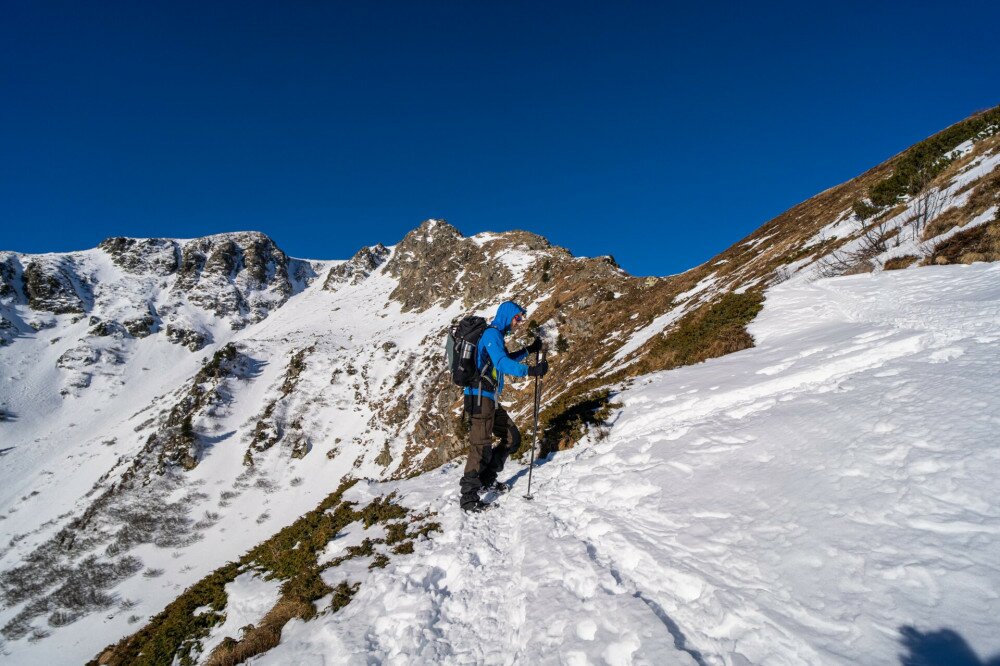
{"x":499,"y":488}
{"x":478,"y":507}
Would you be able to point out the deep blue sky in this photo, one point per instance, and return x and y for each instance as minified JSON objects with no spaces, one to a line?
{"x":655,"y":133}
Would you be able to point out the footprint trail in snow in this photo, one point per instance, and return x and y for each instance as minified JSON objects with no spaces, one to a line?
{"x":802,"y":502}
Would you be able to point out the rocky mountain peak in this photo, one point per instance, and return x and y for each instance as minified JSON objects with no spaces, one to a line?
{"x":432,"y":230}
{"x":346,"y":384}
{"x":436,"y":265}
{"x":357,"y":268}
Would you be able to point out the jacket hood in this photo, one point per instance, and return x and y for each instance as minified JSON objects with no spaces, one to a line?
{"x":505,"y":315}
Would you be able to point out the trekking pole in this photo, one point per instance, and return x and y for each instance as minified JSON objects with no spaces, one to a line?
{"x":538,"y":395}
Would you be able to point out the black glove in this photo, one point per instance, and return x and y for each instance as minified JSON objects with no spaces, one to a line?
{"x":535,"y":346}
{"x":538,"y":370}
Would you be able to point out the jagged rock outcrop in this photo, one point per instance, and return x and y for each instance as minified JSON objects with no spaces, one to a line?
{"x":156,"y":256}
{"x":143,"y":325}
{"x":357,"y":268}
{"x":8,"y":331}
{"x":186,"y":337}
{"x":275,"y":424}
{"x":138,"y":327}
{"x":436,"y":265}
{"x":241,"y":276}
{"x":51,"y":286}
{"x":103,"y":329}
{"x":10,"y":277}
{"x":176,"y":441}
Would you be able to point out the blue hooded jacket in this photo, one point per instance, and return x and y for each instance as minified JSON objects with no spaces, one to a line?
{"x":491,"y":344}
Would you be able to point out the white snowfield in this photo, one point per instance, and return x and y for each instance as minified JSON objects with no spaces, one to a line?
{"x":813,"y":500}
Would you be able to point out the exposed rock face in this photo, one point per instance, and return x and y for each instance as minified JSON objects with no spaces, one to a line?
{"x":176,"y":442}
{"x":440,"y":429}
{"x":10,"y":292}
{"x":10,"y":277}
{"x":193,"y":340}
{"x":159,"y":256}
{"x":357,"y":268}
{"x":274,"y":425}
{"x":240,"y":276}
{"x":50,"y":287}
{"x":103,"y":329}
{"x":142,"y":326}
{"x":8,"y":331}
{"x":192,"y":263}
{"x":436,"y":265}
{"x":264,"y":263}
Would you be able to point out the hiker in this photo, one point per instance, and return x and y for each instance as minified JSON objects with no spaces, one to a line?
{"x":482,"y":401}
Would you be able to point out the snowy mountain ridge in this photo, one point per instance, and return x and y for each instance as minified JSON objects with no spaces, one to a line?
{"x":198,"y":414}
{"x":338,"y":376}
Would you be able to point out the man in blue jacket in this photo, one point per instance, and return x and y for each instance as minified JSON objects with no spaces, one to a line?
{"x":483,"y":401}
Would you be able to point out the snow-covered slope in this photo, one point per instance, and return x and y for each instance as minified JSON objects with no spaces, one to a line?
{"x":136,"y":461}
{"x":98,"y":450}
{"x":823,"y":498}
{"x":177,"y":416}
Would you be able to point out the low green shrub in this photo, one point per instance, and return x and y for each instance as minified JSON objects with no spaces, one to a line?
{"x":567,"y":420}
{"x":915,"y":168}
{"x":291,"y":555}
{"x":721,"y":330}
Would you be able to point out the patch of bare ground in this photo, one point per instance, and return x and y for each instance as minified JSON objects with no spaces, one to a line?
{"x":985,"y":194}
{"x":899,"y":263}
{"x":980,"y":243}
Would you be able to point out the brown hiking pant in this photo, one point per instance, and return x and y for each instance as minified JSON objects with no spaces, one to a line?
{"x":485,"y":461}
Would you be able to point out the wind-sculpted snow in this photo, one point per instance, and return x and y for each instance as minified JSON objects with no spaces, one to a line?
{"x":827,"y":497}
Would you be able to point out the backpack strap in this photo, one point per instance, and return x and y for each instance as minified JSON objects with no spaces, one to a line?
{"x":487,"y":366}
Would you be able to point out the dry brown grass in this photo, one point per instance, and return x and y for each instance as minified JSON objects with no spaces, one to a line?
{"x":898,"y":263}
{"x":261,"y":638}
{"x":981,"y":243}
{"x":577,"y":304}
{"x":985,"y":195}
{"x":946,"y":221}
